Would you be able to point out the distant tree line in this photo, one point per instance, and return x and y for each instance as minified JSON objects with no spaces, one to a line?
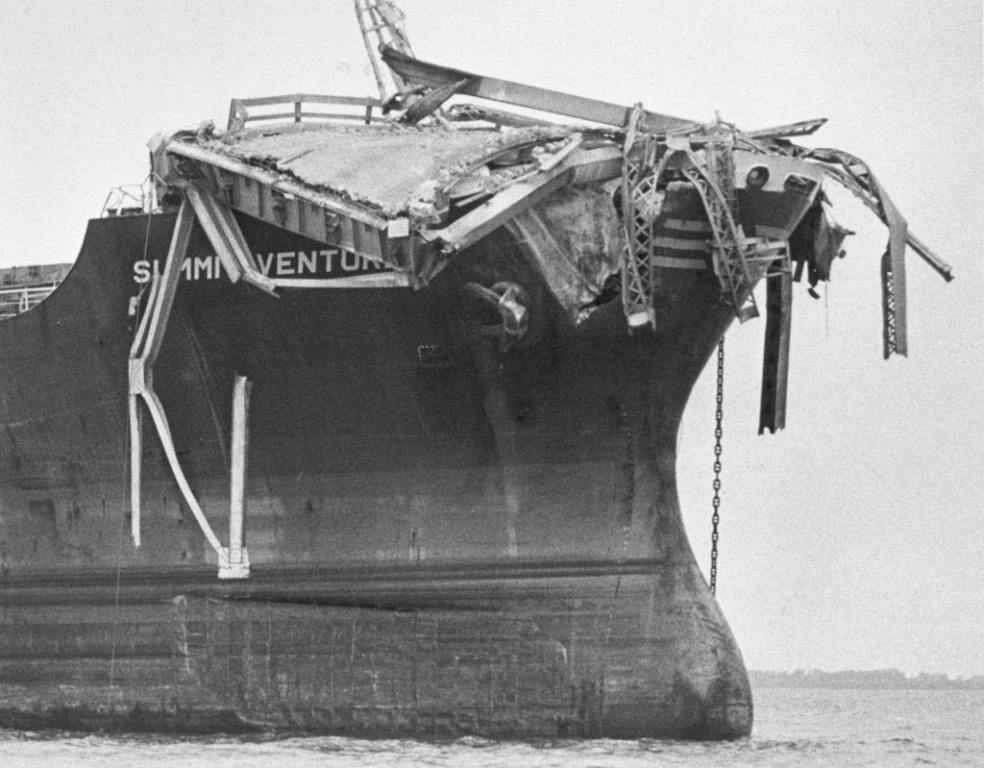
{"x":875,"y":678}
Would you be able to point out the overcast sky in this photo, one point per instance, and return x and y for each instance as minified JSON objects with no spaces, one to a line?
{"x":854,"y":539}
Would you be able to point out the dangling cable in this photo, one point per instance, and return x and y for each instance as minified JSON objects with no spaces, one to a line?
{"x":716,"y":502}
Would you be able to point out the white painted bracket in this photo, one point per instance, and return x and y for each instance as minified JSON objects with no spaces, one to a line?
{"x":237,"y":562}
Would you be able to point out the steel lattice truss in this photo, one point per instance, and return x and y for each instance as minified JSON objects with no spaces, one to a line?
{"x":738,"y":261}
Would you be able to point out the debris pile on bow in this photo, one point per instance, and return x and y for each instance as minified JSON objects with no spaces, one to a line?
{"x":605,"y":199}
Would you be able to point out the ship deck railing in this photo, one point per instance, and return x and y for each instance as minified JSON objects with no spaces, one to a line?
{"x":20,"y":299}
{"x":304,"y":106}
{"x":130,"y":199}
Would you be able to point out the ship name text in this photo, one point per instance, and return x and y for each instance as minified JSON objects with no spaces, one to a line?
{"x":324,"y":262}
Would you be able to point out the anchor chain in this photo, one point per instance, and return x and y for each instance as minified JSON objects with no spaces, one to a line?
{"x":716,"y":502}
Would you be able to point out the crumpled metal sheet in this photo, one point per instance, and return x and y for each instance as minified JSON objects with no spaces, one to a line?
{"x":384,"y":166}
{"x":854,"y":174}
{"x":575,"y":237}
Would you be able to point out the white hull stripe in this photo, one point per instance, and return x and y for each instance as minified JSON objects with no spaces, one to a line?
{"x":671,"y":262}
{"x":680,"y":244}
{"x":683,"y":225}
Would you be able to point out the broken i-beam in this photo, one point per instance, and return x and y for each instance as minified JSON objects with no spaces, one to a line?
{"x":775,"y":358}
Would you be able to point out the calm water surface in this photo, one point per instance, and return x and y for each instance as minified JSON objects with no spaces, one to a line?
{"x":794,"y":727}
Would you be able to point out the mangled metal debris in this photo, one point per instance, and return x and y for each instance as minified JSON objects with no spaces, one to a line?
{"x":600,"y":197}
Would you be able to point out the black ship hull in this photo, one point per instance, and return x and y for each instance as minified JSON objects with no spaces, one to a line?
{"x":448,"y":535}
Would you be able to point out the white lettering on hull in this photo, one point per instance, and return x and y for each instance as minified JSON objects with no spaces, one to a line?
{"x":319,"y":263}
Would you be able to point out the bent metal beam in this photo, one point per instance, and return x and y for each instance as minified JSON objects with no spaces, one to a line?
{"x":230,"y":246}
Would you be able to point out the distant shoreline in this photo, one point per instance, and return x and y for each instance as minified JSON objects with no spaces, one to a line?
{"x":890,"y":679}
